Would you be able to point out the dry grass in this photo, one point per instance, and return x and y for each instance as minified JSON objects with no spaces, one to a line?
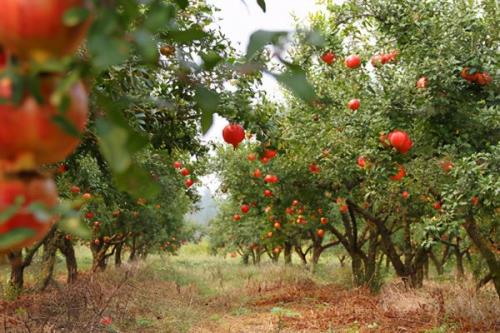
{"x":201,"y":294}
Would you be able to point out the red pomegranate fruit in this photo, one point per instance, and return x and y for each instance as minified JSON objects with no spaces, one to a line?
{"x":24,"y":227}
{"x":36,"y":29}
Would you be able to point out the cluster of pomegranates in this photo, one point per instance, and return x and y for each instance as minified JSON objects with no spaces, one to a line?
{"x":481,"y":78}
{"x":185,"y":172}
{"x":33,"y":129}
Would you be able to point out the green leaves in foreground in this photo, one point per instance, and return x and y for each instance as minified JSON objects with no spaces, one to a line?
{"x":295,"y":80}
{"x":262,"y":5}
{"x":208,"y":101}
{"x":118,"y":143}
{"x":261,"y":38}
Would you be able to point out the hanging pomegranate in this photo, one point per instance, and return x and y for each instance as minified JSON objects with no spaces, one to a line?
{"x":42,"y":140}
{"x":245,"y":208}
{"x":233,"y":134}
{"x":354,"y":104}
{"x":24,"y":226}
{"x":400,"y":174}
{"x":328,"y":57}
{"x":400,"y":140}
{"x":353,"y":61}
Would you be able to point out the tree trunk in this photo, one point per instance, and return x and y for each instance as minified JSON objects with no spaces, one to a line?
{"x":118,"y":255}
{"x":16,"y":281}
{"x":258,"y":255}
{"x":342,"y":260}
{"x":67,"y":249}
{"x":48,"y":262}
{"x":489,"y":256}
{"x":357,"y":270}
{"x":288,"y":253}
{"x":301,"y":255}
{"x":133,"y":249}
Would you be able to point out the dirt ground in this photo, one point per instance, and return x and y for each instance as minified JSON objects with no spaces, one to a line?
{"x":205,"y":295}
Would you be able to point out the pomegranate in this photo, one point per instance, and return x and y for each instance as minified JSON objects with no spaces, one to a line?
{"x":474,"y":200}
{"x":400,"y":140}
{"x":314,"y":168}
{"x":75,"y":189}
{"x":271,"y":179}
{"x":376,"y":60}
{"x":344,"y":209}
{"x":236,"y":217}
{"x":245,"y":208}
{"x":233,"y":134}
{"x":86,"y":196}
{"x":277,"y":225}
{"x":353,"y":61}
{"x":251,"y":157}
{"x":328,"y":57}
{"x":446,"y":166}
{"x":361,"y":162}
{"x":177,"y":165}
{"x":320,"y":233}
{"x":400,"y":174}
{"x":264,"y":160}
{"x":290,"y":211}
{"x":257,"y":173}
{"x":185,"y":172}
{"x":89,"y":215}
{"x":24,"y":227}
{"x":268,"y":193}
{"x":323,"y":220}
{"x":437,"y":205}
{"x":295,"y":202}
{"x":483,"y":78}
{"x":465,"y":74}
{"x":42,"y":141}
{"x":422,"y":83}
{"x":189,"y":182}
{"x":405,"y":195}
{"x":35,"y":29}
{"x":270,"y":153}
{"x":354,"y":104}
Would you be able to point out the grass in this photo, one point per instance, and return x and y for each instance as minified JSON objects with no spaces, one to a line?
{"x":198,"y":293}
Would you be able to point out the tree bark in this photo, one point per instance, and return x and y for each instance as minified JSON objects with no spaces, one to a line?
{"x":16,"y":281}
{"x":288,"y":253}
{"x":48,"y":262}
{"x":118,"y":255}
{"x":67,"y":249}
{"x":481,"y":243}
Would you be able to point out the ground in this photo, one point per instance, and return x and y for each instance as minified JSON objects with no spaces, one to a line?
{"x":198,"y":293}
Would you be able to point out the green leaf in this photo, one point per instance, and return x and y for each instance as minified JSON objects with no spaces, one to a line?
{"x":74,"y":16}
{"x":187,"y":36}
{"x":11,"y":210}
{"x":66,"y":125}
{"x":14,"y":237}
{"x":208,"y":101}
{"x":113,"y":143}
{"x":262,"y":4}
{"x":261,"y":38}
{"x":74,"y":226}
{"x":137,"y":181}
{"x":182,"y":3}
{"x":296,"y":81}
{"x":147,"y":45}
{"x":210,"y":60}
